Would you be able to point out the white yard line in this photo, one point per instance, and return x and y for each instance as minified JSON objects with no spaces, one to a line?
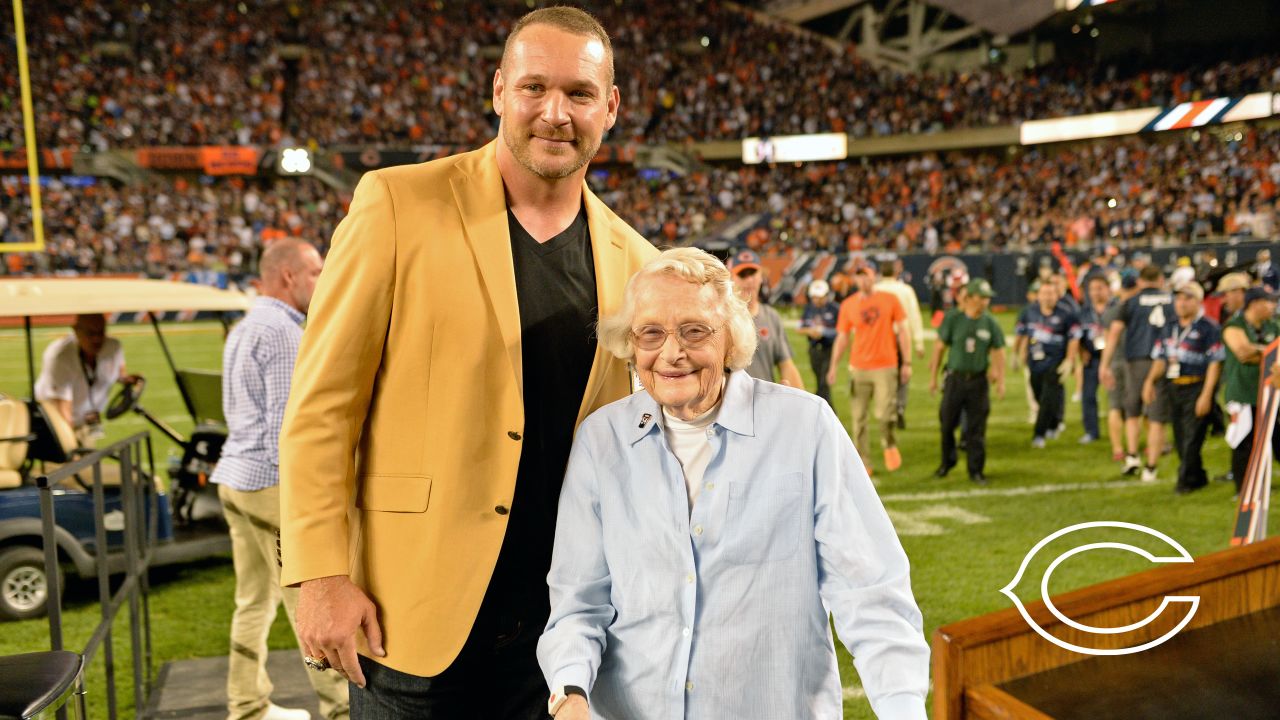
{"x":1007,"y":492}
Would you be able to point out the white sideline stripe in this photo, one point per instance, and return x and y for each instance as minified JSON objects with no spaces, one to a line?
{"x":1008,"y":492}
{"x":854,"y":693}
{"x":117,"y":331}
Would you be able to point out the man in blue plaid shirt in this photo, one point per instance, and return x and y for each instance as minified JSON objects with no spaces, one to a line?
{"x":257,"y":365}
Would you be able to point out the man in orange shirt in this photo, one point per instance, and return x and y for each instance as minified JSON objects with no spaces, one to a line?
{"x":880,"y":333}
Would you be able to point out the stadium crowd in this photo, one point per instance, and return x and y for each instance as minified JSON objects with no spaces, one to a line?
{"x":1158,"y":191}
{"x":110,"y":74}
{"x":166,"y":226}
{"x":1140,"y":191}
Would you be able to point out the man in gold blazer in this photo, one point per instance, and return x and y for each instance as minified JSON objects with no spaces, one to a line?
{"x":450,"y":354}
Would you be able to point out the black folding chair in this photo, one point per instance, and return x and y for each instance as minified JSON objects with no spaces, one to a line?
{"x":37,"y":684}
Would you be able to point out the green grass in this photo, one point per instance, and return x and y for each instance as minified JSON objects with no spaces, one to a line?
{"x":978,"y":540}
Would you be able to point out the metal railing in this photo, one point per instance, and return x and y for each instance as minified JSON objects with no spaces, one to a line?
{"x":139,"y":503}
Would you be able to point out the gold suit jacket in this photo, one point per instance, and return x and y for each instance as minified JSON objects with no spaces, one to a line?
{"x":402,"y":436}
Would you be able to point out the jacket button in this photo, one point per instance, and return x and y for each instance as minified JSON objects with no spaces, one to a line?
{"x":513,"y":434}
{"x":501,"y":510}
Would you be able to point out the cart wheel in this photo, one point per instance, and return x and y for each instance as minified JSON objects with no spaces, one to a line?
{"x":24,"y":587}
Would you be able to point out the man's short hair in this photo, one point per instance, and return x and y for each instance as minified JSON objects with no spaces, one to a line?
{"x":569,"y":19}
{"x":1151,"y":273}
{"x":280,"y":254}
{"x":887,"y":269}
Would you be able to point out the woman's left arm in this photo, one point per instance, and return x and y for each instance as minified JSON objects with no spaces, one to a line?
{"x":570,"y":648}
{"x":865,"y":579}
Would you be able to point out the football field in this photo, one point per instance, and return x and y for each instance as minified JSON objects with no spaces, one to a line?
{"x":965,"y":543}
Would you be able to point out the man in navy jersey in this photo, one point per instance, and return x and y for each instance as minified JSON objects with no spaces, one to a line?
{"x":1092,"y":342}
{"x":1048,"y":342}
{"x":1186,"y":363}
{"x":819,"y":325}
{"x":1142,"y":318}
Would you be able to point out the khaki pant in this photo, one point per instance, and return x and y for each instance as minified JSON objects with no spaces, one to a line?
{"x":254,"y":520}
{"x":878,"y":388}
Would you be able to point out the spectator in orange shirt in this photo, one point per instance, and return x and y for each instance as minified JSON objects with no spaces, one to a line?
{"x":880,"y":332}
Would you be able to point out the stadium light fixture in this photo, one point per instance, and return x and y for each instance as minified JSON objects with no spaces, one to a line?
{"x":295,"y":161}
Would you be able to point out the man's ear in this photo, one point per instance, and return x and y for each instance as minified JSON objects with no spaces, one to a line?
{"x":498,"y":86}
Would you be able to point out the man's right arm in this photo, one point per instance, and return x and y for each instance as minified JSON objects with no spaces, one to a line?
{"x":332,"y":385}
{"x":1238,"y":343}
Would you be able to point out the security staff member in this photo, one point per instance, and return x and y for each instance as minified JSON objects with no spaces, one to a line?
{"x":1048,"y":342}
{"x":1247,"y":335}
{"x":974,"y":345}
{"x":1186,"y":363}
{"x":819,"y":325}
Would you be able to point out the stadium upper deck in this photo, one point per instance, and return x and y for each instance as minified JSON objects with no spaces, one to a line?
{"x":111,"y":74}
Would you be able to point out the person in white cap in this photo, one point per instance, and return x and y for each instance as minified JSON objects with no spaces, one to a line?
{"x":819,"y":325}
{"x":1186,"y":364}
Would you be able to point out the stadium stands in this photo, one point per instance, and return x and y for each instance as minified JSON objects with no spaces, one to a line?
{"x":1128,"y":192}
{"x":112,"y":74}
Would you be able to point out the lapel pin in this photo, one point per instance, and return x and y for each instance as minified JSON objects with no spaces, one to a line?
{"x":644,"y":419}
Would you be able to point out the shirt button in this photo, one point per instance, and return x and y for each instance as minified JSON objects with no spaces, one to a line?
{"x":689,"y":578}
{"x":711,"y":486}
{"x":697,"y":529}
{"x":689,"y":686}
{"x":513,"y":435}
{"x":501,"y":510}
{"x":711,"y":433}
{"x":686,"y":632}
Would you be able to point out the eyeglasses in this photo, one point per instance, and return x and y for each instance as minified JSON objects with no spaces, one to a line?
{"x":690,"y":335}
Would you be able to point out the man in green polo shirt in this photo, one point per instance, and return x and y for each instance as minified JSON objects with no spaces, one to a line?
{"x":974,"y":345}
{"x":1246,"y":336}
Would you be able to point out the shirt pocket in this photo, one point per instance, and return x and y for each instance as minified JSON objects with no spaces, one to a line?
{"x":386,"y":492}
{"x":764,"y":521}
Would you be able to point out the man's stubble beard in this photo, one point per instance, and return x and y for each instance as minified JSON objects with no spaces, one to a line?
{"x":523,"y":153}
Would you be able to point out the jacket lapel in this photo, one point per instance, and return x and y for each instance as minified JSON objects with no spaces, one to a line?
{"x":481,"y":200}
{"x":611,"y":278}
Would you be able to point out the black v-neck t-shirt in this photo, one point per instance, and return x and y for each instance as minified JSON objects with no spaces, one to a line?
{"x":556,"y":292}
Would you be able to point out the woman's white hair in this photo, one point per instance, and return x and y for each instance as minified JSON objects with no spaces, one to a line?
{"x":699,"y":268}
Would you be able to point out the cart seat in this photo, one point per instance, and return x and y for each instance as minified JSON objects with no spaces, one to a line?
{"x":15,"y":424}
{"x":204,"y":392}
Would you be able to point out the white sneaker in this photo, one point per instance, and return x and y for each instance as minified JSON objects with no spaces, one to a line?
{"x":275,"y":712}
{"x":1131,"y":464}
{"x":1037,"y":442}
{"x":1149,"y":475}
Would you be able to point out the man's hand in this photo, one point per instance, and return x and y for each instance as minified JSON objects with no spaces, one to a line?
{"x":1204,"y":404}
{"x":330,"y":610}
{"x":1065,"y":370}
{"x":129,"y":379}
{"x":1107,"y":377}
{"x":933,"y":385}
{"x":1000,"y":388}
{"x":904,"y":374}
{"x":1148,"y":392}
{"x":831,"y":373}
{"x":575,"y":708}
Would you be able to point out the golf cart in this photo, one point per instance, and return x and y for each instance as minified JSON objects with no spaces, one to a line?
{"x":34,"y":437}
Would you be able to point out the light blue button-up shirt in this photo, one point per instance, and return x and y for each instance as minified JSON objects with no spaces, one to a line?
{"x":257,"y":369}
{"x":663,"y":613}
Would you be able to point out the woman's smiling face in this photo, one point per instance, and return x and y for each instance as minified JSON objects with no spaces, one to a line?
{"x":686,"y":381}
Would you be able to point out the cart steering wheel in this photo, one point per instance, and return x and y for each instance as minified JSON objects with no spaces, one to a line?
{"x":126,"y":397}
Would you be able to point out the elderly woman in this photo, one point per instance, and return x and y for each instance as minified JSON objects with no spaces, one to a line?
{"x":707,"y":524}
